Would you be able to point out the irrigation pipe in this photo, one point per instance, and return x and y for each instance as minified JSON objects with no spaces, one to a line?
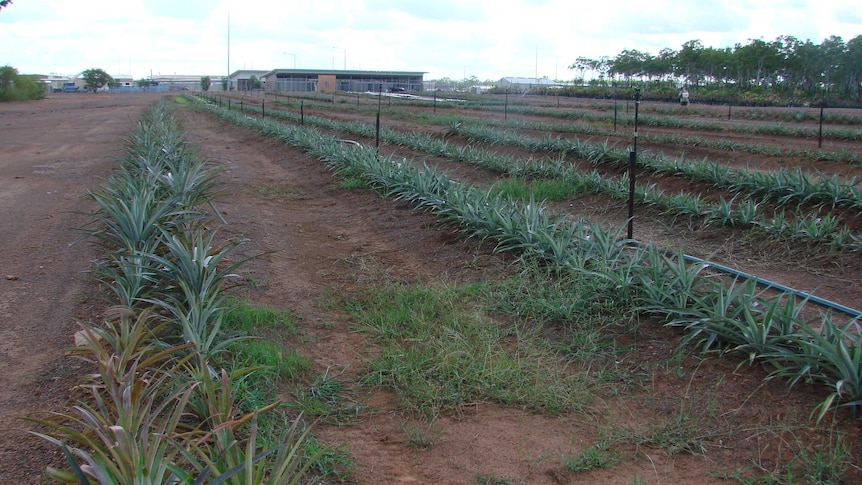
{"x":778,"y":286}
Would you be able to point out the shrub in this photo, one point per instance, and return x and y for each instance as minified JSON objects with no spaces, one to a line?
{"x":15,"y":87}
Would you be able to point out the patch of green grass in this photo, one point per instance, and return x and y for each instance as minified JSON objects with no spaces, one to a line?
{"x":334,"y":463}
{"x":248,"y":318}
{"x":591,"y":458}
{"x":692,"y":428}
{"x":492,"y":479}
{"x":422,"y":437}
{"x":280,"y":364}
{"x":277,"y":362}
{"x":441,"y":351}
{"x":352,"y":182}
{"x":539,"y":189}
{"x":824,"y":463}
{"x":181,"y":100}
{"x":279,"y":192}
{"x":285,"y":363}
{"x":323,"y":399}
{"x":575,"y":321}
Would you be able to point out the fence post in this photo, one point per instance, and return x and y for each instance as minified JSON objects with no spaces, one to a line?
{"x":506,"y":106}
{"x":379,"y":97}
{"x":820,"y":136}
{"x":633,"y":157}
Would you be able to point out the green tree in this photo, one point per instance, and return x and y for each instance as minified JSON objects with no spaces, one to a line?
{"x":853,"y":62}
{"x":690,"y":62}
{"x":96,"y":78}
{"x":630,"y":63}
{"x":8,"y":74}
{"x":224,"y":84}
{"x":253,"y":82}
{"x":15,"y":87}
{"x":206,"y":82}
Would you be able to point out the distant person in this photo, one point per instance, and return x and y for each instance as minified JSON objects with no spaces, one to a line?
{"x":683,"y":97}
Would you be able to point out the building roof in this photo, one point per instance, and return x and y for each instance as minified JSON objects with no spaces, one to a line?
{"x":529,"y":81}
{"x":249,"y":72}
{"x":342,"y":72}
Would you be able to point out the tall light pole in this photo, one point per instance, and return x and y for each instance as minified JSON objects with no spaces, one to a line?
{"x":294,"y":58}
{"x":537,"y":63}
{"x":345,"y":57}
{"x":228,"y":51}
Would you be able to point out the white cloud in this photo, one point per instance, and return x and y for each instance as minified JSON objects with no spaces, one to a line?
{"x":486,"y":38}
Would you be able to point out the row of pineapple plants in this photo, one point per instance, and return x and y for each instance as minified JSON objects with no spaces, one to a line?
{"x":163,"y":404}
{"x":781,"y":186}
{"x":716,"y":314}
{"x":601,"y":129}
{"x":794,"y":115}
{"x":817,"y":229}
{"x":552,"y":104}
{"x":840,"y":156}
{"x":772,"y":129}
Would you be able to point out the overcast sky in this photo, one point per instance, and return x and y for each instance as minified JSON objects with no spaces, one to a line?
{"x":445,"y":38}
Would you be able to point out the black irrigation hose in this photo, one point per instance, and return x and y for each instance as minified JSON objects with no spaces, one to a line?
{"x":778,"y":286}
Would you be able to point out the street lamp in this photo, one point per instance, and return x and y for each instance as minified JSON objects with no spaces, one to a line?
{"x":294,"y":58}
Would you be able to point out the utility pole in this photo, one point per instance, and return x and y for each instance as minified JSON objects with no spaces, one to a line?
{"x":633,"y":157}
{"x":228,"y":50}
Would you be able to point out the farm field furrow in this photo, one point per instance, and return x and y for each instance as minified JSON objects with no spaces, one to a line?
{"x":727,"y":245}
{"x":762,"y":146}
{"x":845,"y":193}
{"x":519,"y":384}
{"x":358,"y":435}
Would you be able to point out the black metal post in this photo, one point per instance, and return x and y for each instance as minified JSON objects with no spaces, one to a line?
{"x":379,"y":98}
{"x":240,"y":106}
{"x":263,"y":109}
{"x":228,"y":103}
{"x":820,"y":136}
{"x":633,"y":157}
{"x":302,"y":112}
{"x":435,"y":101}
{"x":615,"y":113}
{"x":728,"y":112}
{"x":506,"y":106}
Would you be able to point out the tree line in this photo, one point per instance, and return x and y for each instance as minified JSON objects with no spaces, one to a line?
{"x":785,"y":67}
{"x":17,"y":87}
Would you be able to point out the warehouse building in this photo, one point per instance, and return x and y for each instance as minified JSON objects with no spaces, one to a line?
{"x":331,"y":80}
{"x":525,"y":84}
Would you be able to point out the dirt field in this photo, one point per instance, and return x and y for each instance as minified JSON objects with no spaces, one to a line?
{"x":323,"y":239}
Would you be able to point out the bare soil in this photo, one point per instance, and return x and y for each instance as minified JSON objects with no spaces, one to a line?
{"x":321,"y":240}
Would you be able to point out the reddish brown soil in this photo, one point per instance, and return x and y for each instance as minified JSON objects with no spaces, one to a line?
{"x":326,"y":240}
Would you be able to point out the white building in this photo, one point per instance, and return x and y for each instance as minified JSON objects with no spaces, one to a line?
{"x":526,"y":84}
